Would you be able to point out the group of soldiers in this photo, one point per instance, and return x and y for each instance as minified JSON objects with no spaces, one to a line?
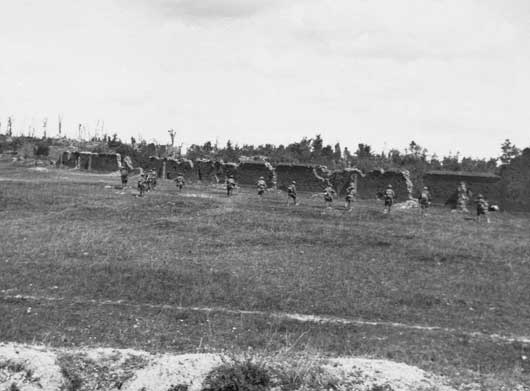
{"x":148,"y":180}
{"x":389,"y":196}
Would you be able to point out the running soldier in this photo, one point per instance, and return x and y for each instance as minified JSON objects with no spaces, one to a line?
{"x":261,"y":186}
{"x":351,"y":194}
{"x":147,"y":181}
{"x":124,"y":173}
{"x":230,"y":185}
{"x":152,"y":179}
{"x":180,"y":182}
{"x":328,"y":196}
{"x":142,"y":184}
{"x":482,"y":208}
{"x":424,"y":200}
{"x":388,"y":196}
{"x":291,"y":193}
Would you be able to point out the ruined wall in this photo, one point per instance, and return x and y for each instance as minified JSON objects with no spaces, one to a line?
{"x":55,"y":153}
{"x":103,"y":162}
{"x":185,"y":167}
{"x":249,"y":172}
{"x":127,"y":163}
{"x":85,"y":160}
{"x":68,"y":159}
{"x":374,"y":182}
{"x":443,"y":184}
{"x":206,"y":170}
{"x":106,"y":162}
{"x":341,"y":179}
{"x":155,"y":163}
{"x":515,"y":183}
{"x":323,"y":171}
{"x":228,"y":169}
{"x":306,"y":177}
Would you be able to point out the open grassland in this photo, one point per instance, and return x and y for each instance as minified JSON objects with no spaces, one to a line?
{"x":126,"y":270}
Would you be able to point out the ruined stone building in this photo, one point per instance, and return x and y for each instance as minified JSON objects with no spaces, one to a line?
{"x":510,"y":189}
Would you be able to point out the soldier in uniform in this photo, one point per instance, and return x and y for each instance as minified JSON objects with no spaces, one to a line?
{"x":124,"y":173}
{"x":152,"y":178}
{"x":147,"y":181}
{"x":482,"y":208}
{"x":291,"y":193}
{"x":230,"y":185}
{"x":424,"y":200}
{"x":351,"y":194}
{"x":261,"y":186}
{"x":328,"y":196}
{"x":388,"y":196}
{"x":142,"y":184}
{"x":180,"y":182}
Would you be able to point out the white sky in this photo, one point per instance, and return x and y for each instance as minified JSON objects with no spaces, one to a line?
{"x":453,"y":75}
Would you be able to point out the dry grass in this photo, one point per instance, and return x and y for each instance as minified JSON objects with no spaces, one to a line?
{"x":65,"y":234}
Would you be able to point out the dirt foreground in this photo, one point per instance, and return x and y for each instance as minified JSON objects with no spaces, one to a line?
{"x":29,"y":368}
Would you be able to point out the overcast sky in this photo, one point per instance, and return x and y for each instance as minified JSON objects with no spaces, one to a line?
{"x":453,"y":75}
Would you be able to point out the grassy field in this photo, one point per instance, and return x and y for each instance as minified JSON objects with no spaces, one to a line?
{"x":64,"y":234}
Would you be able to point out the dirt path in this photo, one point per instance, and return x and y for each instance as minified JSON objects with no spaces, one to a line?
{"x":304,"y":318}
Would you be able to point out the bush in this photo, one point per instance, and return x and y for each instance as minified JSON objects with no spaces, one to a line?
{"x":238,"y":376}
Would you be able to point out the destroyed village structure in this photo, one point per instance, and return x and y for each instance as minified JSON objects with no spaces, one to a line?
{"x":509,"y":189}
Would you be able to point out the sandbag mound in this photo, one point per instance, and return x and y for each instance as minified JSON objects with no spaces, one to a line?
{"x":32,"y":368}
{"x":166,"y":371}
{"x":29,"y":368}
{"x":361,"y":374}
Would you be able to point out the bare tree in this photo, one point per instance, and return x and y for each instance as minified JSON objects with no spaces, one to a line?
{"x":9,"y":126}
{"x":44,"y":126}
{"x":172,"y":135}
{"x":60,"y":124}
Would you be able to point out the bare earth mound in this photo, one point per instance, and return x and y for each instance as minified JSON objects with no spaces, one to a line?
{"x":29,"y":368}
